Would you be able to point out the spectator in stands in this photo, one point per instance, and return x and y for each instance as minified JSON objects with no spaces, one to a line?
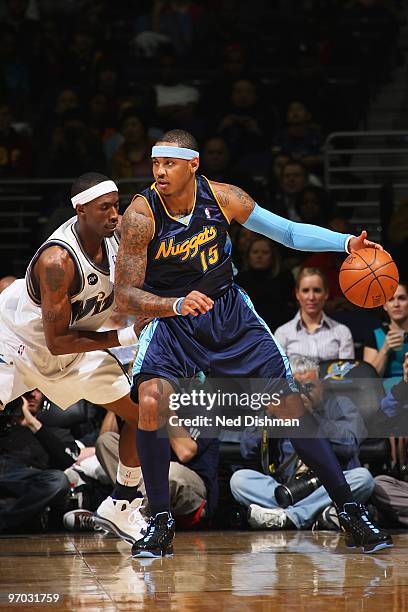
{"x":216,"y":164}
{"x":100,"y":118}
{"x":294,"y":178}
{"x":313,"y":205}
{"x":74,"y":149}
{"x":385,"y":349}
{"x":391,"y":494}
{"x":106,"y":81}
{"x":133,"y":157}
{"x":32,"y":461}
{"x":67,"y":100}
{"x":247,"y":125}
{"x":241,"y":238}
{"x":374,"y":29}
{"x":5,"y":281}
{"x":302,"y":139}
{"x":234,"y":65}
{"x":23,"y":27}
{"x":174,"y":95}
{"x":339,"y":421}
{"x":398,"y":225}
{"x":311,"y":332}
{"x":14,"y":72}
{"x":15,"y":147}
{"x":192,"y":475}
{"x":386,"y":346}
{"x":270,"y":287}
{"x":81,"y":60}
{"x":176,"y":22}
{"x":279,"y":160}
{"x":95,"y":17}
{"x":46,"y":61}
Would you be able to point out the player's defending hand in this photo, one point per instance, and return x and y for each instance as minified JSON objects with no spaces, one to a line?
{"x":195,"y":303}
{"x":361,"y":242}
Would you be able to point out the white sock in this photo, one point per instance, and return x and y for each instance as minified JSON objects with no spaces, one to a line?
{"x":128,"y":476}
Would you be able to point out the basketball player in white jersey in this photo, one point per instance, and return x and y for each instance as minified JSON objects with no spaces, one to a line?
{"x":49,"y":336}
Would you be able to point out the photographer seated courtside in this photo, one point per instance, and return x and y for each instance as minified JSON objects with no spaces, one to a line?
{"x":286,"y":494}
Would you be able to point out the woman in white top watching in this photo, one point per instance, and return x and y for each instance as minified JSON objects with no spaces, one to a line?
{"x":311,"y":332}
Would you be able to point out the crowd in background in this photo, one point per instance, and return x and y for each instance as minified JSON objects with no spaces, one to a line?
{"x":90,"y":85}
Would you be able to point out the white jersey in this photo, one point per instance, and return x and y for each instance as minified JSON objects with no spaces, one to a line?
{"x":92,"y":304}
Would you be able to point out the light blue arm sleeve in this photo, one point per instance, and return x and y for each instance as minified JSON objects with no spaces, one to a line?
{"x":300,"y":236}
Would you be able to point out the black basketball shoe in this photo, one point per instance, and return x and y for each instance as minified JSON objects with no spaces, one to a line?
{"x":158,"y":539}
{"x":360,"y":531}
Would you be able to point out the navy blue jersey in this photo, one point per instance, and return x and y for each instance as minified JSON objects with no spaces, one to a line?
{"x":182,"y":258}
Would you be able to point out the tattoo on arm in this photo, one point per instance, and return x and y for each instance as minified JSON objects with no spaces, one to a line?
{"x":51,"y":316}
{"x":235,"y":201}
{"x":54,"y":277}
{"x":137,"y":230}
{"x":247,"y":203}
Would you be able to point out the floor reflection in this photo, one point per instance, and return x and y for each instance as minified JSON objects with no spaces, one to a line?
{"x":225,"y":569}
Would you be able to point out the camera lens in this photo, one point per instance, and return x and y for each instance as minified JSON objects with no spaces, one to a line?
{"x":283,"y":496}
{"x":301,"y":487}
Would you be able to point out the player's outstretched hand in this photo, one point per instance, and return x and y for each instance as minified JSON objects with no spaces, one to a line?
{"x":361,"y":242}
{"x":195,"y":303}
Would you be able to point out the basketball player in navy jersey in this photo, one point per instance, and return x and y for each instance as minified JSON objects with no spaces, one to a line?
{"x":49,"y":336}
{"x":174,"y":263}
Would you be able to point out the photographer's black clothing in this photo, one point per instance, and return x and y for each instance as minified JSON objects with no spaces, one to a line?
{"x":30,"y":489}
{"x":20,"y":444}
{"x":31,"y":472}
{"x":42,"y":450}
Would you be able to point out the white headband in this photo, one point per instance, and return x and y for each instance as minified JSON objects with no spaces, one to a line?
{"x":177,"y":152}
{"x":93,"y":192}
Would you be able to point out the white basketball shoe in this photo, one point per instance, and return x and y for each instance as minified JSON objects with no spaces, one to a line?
{"x":122,"y":518}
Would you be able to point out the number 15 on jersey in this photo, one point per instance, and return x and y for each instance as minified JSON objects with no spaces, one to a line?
{"x":209,"y":257}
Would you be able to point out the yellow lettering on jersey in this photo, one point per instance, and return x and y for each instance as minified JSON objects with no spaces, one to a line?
{"x":188,"y":249}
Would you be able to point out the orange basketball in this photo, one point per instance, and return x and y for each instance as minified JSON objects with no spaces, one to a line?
{"x":368,"y":277}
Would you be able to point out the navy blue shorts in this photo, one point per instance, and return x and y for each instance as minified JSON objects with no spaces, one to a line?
{"x":229,"y":341}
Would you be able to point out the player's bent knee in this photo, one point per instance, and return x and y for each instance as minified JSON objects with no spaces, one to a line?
{"x":152,"y":414}
{"x":148,"y":405}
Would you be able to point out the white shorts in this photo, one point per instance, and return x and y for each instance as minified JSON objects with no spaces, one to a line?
{"x":96,"y":376}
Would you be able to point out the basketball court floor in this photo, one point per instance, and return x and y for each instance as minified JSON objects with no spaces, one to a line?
{"x":230,"y":570}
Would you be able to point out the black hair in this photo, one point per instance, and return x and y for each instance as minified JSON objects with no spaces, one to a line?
{"x":295,"y":162}
{"x":132,"y":111}
{"x":87,"y":180}
{"x":323,"y":198}
{"x":404,"y":283}
{"x":183,"y":139}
